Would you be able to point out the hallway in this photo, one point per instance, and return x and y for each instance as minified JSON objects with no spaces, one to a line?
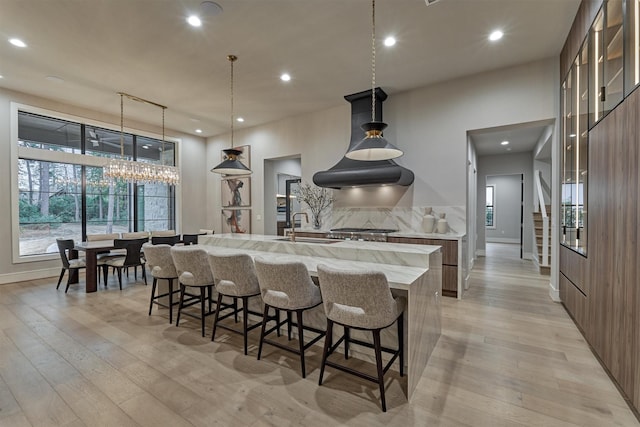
{"x":508,"y":356}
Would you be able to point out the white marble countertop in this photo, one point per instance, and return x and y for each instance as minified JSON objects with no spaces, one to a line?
{"x":403,"y":264}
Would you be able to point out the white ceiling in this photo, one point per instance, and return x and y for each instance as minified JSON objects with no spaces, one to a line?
{"x":145,"y":48}
{"x":522,"y":137}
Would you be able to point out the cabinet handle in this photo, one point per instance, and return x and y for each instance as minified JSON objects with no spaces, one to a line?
{"x":603,"y":95}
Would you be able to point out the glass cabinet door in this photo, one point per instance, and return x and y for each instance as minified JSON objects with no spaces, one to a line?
{"x":575,"y":104}
{"x":606,"y":46}
{"x":632,"y":53}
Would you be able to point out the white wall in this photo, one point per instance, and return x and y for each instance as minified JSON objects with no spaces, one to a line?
{"x":191,"y":159}
{"x":506,"y":217}
{"x":507,"y":164}
{"x":430,"y":124}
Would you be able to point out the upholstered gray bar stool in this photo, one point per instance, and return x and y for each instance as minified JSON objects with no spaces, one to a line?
{"x":161,"y":264}
{"x":192,"y":266}
{"x":235,"y":277}
{"x":360,"y":300}
{"x":287,"y":286}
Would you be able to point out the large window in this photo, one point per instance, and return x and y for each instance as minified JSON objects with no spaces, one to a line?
{"x":62,"y":192}
{"x":490,"y":207}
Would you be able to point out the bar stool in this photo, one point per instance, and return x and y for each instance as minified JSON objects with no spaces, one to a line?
{"x":235,"y":277}
{"x":360,"y":300}
{"x":193,"y":271}
{"x":287,"y":286}
{"x":161,"y":263}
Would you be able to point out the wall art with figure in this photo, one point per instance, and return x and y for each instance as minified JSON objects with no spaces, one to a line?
{"x":236,"y":192}
{"x":236,"y":221}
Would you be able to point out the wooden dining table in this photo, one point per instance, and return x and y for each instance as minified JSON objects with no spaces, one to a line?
{"x":91,"y":250}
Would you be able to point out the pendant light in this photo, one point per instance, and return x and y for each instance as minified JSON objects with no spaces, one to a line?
{"x":231,"y":165}
{"x":374,"y":146}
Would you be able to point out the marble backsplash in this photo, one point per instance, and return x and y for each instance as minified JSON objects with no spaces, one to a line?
{"x":401,"y":219}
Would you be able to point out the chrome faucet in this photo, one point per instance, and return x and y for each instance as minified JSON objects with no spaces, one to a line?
{"x":292,"y":234}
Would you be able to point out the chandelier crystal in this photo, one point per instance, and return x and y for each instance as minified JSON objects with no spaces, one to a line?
{"x":141,"y":172}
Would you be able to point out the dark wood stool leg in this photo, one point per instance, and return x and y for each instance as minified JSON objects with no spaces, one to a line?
{"x":289,"y":325}
{"x":182,"y":289}
{"x":170,"y":300}
{"x":401,"y":342}
{"x":215,"y":319}
{"x":328,"y":342}
{"x":264,"y":325}
{"x":153,"y":294}
{"x":300,"y":340}
{"x":377,"y":348}
{"x":346,"y":342}
{"x":202,"y":297}
{"x":245,"y":319}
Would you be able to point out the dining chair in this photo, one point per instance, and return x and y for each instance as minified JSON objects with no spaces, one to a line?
{"x":64,"y":246}
{"x":132,"y":258}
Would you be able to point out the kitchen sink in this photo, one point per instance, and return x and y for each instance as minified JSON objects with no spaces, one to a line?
{"x":308,"y":240}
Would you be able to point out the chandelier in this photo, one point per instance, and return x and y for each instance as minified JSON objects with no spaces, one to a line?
{"x":141,"y":172}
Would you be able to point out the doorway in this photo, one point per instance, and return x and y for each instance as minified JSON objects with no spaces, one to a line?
{"x":504,"y":213}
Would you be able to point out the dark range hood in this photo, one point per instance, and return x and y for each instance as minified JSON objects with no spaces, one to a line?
{"x":355,"y":173}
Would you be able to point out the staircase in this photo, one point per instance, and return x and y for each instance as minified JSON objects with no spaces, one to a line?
{"x":539,"y":226}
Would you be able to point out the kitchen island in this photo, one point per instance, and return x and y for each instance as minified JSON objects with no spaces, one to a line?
{"x":413,"y":271}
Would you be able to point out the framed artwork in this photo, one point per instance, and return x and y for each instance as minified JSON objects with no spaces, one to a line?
{"x":236,"y":221}
{"x":236,"y":192}
{"x":245,"y":157}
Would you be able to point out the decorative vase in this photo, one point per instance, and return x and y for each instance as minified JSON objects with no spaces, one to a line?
{"x":316,"y":221}
{"x":443,"y":226}
{"x":428,"y":221}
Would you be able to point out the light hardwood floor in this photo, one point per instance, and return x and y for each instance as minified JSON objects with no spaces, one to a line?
{"x":507,"y":356}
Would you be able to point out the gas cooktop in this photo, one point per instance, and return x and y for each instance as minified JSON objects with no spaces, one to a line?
{"x":363,"y":230}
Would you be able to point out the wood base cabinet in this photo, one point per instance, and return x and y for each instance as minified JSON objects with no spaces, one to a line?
{"x":450,"y":270}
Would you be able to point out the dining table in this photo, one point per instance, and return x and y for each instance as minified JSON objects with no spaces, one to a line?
{"x":91,"y":251}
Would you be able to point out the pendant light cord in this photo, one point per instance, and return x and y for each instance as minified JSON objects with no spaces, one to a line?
{"x":163,"y":155}
{"x":373,"y":60}
{"x":122,"y":126}
{"x":232,"y":59}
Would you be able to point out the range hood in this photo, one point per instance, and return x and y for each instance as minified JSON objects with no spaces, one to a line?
{"x":356,"y":173}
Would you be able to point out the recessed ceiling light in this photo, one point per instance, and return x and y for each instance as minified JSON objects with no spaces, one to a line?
{"x":17,"y":42}
{"x":146,"y":147}
{"x":194,"y":21}
{"x":198,"y":130}
{"x":285,"y":77}
{"x":390,"y":41}
{"x":1,"y":76}
{"x":504,"y":143}
{"x":240,"y":119}
{"x":496,"y":35}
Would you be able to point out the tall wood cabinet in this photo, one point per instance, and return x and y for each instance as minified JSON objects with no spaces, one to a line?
{"x":600,"y":276}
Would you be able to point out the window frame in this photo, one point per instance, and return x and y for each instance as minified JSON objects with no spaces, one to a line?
{"x":17,"y":152}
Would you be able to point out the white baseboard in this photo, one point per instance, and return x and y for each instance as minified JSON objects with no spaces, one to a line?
{"x":481,"y":252}
{"x":502,"y":240}
{"x":554,"y":293}
{"x":24,"y":276}
{"x":527,"y":255}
